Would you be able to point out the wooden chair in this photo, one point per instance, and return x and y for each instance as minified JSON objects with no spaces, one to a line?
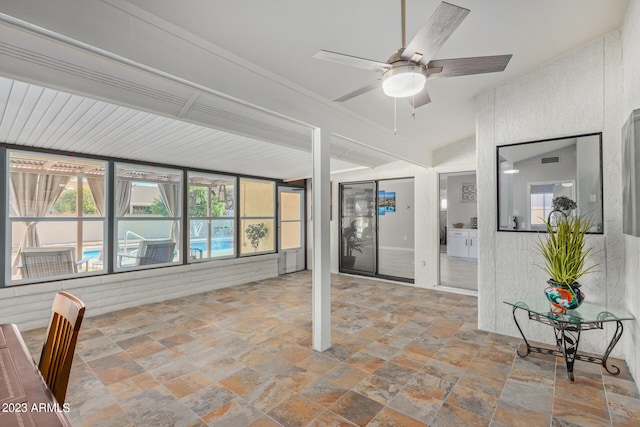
{"x":60,"y":344}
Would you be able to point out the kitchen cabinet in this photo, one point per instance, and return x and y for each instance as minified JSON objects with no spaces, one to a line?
{"x":462,"y":243}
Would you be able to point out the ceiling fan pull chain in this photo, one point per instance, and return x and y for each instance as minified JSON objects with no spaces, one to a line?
{"x":413,"y":104}
{"x":395,"y":116}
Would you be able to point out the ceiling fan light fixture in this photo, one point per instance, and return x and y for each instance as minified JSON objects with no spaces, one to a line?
{"x":403,"y":81}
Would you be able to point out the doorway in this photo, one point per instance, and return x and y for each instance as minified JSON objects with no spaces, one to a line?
{"x":291,"y":230}
{"x":459,"y":240}
{"x":377,"y":228}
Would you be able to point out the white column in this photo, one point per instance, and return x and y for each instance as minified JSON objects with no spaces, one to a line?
{"x":321,"y":278}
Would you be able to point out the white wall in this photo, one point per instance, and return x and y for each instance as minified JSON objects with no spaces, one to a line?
{"x":425,"y":218}
{"x":456,"y":157}
{"x":457,"y":210}
{"x":533,"y":172}
{"x":395,"y":230}
{"x":29,"y":306}
{"x":630,"y":102}
{"x":575,"y":94}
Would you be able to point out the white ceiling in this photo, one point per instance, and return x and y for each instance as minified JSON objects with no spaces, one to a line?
{"x":282,"y":35}
{"x":144,"y":115}
{"x":45,"y":118}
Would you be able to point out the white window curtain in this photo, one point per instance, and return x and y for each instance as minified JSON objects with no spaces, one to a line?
{"x":123,"y":196}
{"x":96,"y":186}
{"x":33,"y":195}
{"x":169,"y":194}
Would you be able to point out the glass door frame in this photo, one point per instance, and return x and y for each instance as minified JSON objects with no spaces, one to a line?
{"x":375,"y":272}
{"x":341,"y":269}
{"x":303,"y":220}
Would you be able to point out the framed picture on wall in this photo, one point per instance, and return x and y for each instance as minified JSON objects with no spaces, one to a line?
{"x":468,"y":193}
{"x":390,"y":201}
{"x":381,"y":206}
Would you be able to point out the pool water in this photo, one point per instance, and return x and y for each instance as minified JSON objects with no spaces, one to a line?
{"x":216,"y":245}
{"x":91,"y":254}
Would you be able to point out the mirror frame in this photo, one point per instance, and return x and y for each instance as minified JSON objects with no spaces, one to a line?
{"x":498,"y":180}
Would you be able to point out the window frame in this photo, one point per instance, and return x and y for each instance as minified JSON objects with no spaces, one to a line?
{"x":117,"y":256}
{"x":241,"y":218}
{"x":78,"y":218}
{"x":209,"y":219}
{"x":109,"y":218}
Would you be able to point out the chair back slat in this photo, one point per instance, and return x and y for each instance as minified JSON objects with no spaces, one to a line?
{"x":156,"y":252}
{"x":59,"y":347}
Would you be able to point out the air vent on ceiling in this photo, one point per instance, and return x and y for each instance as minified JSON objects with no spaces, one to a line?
{"x":550,"y":160}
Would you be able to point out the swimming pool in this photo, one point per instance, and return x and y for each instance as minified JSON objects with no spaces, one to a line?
{"x":219,"y":244}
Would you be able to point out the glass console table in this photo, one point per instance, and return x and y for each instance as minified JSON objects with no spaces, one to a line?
{"x":567,"y":327}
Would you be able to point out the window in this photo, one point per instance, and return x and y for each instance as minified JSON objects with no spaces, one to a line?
{"x":540,"y":207}
{"x":531,"y":174}
{"x":290,"y":220}
{"x":257,"y":216}
{"x":56,"y":215}
{"x":148,"y":211}
{"x":211,"y":201}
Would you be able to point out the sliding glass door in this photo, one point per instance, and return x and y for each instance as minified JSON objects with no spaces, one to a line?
{"x":377,"y":228}
{"x":396,"y":243}
{"x":358,"y":224}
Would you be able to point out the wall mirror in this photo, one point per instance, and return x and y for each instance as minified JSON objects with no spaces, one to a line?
{"x":532,"y":174}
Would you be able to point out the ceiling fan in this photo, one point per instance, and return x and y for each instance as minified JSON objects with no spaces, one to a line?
{"x":406,"y":71}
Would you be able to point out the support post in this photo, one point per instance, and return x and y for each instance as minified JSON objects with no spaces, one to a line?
{"x":321,"y":276}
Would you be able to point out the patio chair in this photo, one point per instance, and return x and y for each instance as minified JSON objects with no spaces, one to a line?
{"x":155,"y":252}
{"x":60,"y":344}
{"x":41,"y":262}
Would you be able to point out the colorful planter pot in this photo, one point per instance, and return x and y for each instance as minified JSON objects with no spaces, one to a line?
{"x":564,"y":297}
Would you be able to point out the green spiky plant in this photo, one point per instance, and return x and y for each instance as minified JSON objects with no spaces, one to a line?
{"x":564,"y":252}
{"x":354,"y":243}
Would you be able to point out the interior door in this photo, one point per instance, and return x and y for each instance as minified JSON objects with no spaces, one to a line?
{"x":358,"y":228}
{"x":291,"y":228}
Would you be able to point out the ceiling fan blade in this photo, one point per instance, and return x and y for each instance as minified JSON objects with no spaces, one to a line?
{"x":436,"y":31}
{"x":364,"y":89}
{"x":465,"y":66}
{"x":419,"y":99}
{"x":352,"y":61}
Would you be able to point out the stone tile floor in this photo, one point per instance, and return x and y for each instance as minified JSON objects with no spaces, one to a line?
{"x":401,"y":356}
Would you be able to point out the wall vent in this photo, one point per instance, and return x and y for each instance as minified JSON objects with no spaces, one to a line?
{"x":550,"y":160}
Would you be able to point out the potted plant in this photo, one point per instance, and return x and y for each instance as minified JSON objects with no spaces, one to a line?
{"x":561,"y":208}
{"x":255,"y":233}
{"x":565,"y":261}
{"x":351,"y":243}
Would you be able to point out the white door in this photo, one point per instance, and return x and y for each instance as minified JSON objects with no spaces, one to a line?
{"x":291,"y":229}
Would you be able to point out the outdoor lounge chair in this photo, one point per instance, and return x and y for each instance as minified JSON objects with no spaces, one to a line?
{"x":40,"y":262}
{"x":155,"y":252}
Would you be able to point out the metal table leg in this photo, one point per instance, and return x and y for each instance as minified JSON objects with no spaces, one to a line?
{"x":603,"y":360}
{"x":568,"y":337}
{"x":521,"y":333}
{"x":612,"y":344}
